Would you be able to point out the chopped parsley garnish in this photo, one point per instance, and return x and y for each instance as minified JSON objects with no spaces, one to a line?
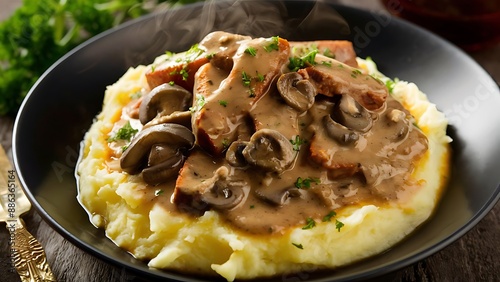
{"x":355,"y":73}
{"x":296,"y":63}
{"x":252,"y":206}
{"x":252,"y":51}
{"x":158,"y":192}
{"x":246,"y":78}
{"x":310,"y":57}
{"x":338,"y":225}
{"x":225,"y":143}
{"x":299,"y":246}
{"x":329,"y":53}
{"x":326,"y":63}
{"x":194,"y":52}
{"x":305,"y":183}
{"x":390,"y":84}
{"x":260,"y":77}
{"x":200,"y":102}
{"x":273,"y":46}
{"x":172,"y":83}
{"x":223,"y":103}
{"x":329,"y":216}
{"x":296,"y":142}
{"x":310,"y":223}
{"x":184,"y":73}
{"x":124,"y":133}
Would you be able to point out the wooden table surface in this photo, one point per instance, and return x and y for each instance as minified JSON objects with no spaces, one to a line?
{"x":474,"y":257}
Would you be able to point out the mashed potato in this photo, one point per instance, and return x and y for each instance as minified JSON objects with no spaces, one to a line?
{"x":134,"y":217}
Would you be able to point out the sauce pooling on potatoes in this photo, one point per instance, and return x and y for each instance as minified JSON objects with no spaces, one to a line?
{"x":269,"y":133}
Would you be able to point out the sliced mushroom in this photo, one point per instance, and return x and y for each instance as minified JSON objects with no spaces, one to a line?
{"x":343,"y":135}
{"x":278,"y":198}
{"x":225,"y":194}
{"x":352,"y":115}
{"x":182,"y":118}
{"x":163,"y":164}
{"x":269,"y":150}
{"x":234,"y":154}
{"x":172,"y":135}
{"x":164,"y":100}
{"x":400,"y":124}
{"x":297,"y":92}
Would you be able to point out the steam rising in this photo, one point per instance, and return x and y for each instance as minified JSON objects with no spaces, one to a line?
{"x":177,"y":29}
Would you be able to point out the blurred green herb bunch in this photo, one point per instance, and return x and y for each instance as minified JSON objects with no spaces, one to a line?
{"x":40,"y":32}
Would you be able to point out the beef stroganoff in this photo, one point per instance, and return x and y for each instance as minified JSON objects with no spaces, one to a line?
{"x":255,"y":157}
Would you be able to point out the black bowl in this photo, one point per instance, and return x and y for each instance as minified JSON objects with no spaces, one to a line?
{"x":61,"y":106}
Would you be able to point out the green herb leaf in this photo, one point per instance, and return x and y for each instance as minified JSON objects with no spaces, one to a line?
{"x":338,"y":225}
{"x":200,"y":102}
{"x":390,"y":84}
{"x":184,"y":73}
{"x":310,"y":223}
{"x":273,"y":46}
{"x":299,"y":246}
{"x":260,"y":77}
{"x":325,"y":63}
{"x":306,"y":183}
{"x":124,"y":133}
{"x":355,"y":73}
{"x":296,"y":63}
{"x":225,"y":143}
{"x":246,"y":78}
{"x":223,"y":103}
{"x":296,"y":142}
{"x":252,"y":51}
{"x":329,"y":216}
{"x":327,"y":52}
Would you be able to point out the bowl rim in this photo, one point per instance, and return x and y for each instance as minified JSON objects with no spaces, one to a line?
{"x":371,"y":273}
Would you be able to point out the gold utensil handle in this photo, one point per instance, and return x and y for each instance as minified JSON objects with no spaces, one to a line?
{"x":28,"y":255}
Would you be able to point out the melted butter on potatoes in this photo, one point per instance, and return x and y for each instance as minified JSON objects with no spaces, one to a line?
{"x":143,"y":219}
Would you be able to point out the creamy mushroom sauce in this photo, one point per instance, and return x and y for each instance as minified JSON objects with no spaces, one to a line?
{"x":370,"y":165}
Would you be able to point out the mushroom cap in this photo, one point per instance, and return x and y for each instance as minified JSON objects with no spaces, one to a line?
{"x":352,"y":115}
{"x":163,"y":171}
{"x":234,"y":154}
{"x":164,"y":100}
{"x":163,"y":164}
{"x":225,"y":194}
{"x":297,"y":92}
{"x":397,"y":119}
{"x":270,"y":150}
{"x":278,"y":197}
{"x":182,"y":118}
{"x":173,"y":135}
{"x":343,"y":135}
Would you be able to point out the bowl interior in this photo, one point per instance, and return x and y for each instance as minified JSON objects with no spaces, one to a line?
{"x":61,"y":106}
